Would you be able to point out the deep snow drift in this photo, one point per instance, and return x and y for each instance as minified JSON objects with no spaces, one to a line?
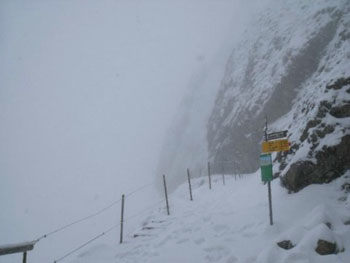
{"x":230,"y":224}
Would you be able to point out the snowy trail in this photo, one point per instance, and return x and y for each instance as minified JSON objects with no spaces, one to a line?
{"x":230,"y":224}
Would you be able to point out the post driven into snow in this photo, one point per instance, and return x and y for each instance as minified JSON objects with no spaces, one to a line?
{"x":209,"y":175}
{"x":122,"y":219}
{"x":166,"y":195}
{"x":189,"y":183}
{"x":269,"y":182}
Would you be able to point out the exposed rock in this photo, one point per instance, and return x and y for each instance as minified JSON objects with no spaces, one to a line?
{"x":341,"y":111}
{"x":325,"y":247}
{"x":347,"y":222}
{"x":346,"y":187}
{"x":309,"y":125}
{"x":342,"y":198}
{"x":329,"y":225}
{"x":326,"y":130}
{"x":299,"y":175}
{"x":325,"y":106}
{"x":330,"y":164}
{"x":340,"y":83}
{"x":285,"y":244}
{"x":234,"y":132}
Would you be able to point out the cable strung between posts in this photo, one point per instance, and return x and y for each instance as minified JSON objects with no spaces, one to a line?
{"x":105,"y":232}
{"x":92,"y":215}
{"x":79,"y":220}
{"x":138,"y":189}
{"x":86,"y":243}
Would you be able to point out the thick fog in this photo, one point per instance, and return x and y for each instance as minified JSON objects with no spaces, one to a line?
{"x":87,"y":91}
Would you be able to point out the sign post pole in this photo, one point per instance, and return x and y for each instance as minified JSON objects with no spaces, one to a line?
{"x":272,"y":143}
{"x":269,"y":182}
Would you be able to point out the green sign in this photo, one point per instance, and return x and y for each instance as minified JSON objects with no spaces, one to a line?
{"x":266,"y":167}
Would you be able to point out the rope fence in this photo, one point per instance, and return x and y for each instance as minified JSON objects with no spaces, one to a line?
{"x":209,"y":168}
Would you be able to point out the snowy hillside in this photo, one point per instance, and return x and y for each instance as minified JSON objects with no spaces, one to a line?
{"x":297,"y":51}
{"x":230,"y":224}
{"x":282,"y":69}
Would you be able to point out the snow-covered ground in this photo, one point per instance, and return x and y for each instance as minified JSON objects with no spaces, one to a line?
{"x":230,"y":223}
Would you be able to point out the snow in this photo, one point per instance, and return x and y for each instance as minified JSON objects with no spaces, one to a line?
{"x":230,"y":224}
{"x":88,"y":89}
{"x":22,"y":244}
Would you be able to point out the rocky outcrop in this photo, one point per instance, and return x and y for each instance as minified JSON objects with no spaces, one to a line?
{"x":326,"y":163}
{"x":291,"y":66}
{"x":235,"y":128}
{"x":330,"y":164}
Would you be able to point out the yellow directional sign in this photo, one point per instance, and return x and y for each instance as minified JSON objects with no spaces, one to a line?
{"x":275,"y":146}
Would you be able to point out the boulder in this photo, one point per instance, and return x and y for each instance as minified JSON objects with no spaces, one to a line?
{"x":331,"y":163}
{"x":325,"y":247}
{"x":285,"y":244}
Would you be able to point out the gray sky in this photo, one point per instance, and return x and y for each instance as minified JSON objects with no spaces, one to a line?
{"x":87,"y":90}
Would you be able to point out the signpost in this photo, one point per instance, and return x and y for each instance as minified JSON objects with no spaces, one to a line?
{"x":268,"y":147}
{"x":276,"y":135}
{"x":266,"y":167}
{"x":275,"y":146}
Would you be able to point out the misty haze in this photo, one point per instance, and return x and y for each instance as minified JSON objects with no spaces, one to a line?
{"x":175,"y":131}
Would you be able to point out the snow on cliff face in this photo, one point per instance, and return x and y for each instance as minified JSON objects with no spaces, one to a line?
{"x":295,"y":49}
{"x":280,"y":69}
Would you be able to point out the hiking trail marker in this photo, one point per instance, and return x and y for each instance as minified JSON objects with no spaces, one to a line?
{"x":266,"y":167}
{"x":271,"y":144}
{"x":275,"y":146}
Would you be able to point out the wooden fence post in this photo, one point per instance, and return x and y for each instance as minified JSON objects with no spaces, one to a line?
{"x":189,"y":183}
{"x":122,"y":219}
{"x":25,"y":257}
{"x":209,"y":175}
{"x":166,"y":195}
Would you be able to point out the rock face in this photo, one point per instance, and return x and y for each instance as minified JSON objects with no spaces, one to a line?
{"x":291,"y":66}
{"x":252,"y":88}
{"x":325,"y":163}
{"x":303,"y":89}
{"x":331,"y":163}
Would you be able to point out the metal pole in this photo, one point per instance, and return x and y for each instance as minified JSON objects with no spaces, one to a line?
{"x":209,"y":175}
{"x":25,"y":257}
{"x":270,"y":202}
{"x":166,"y":195}
{"x":189,"y":183}
{"x":269,"y":183}
{"x":223,"y":174}
{"x":122,"y":219}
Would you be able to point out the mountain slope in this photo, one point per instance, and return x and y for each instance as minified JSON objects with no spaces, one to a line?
{"x":281,"y":69}
{"x":286,"y":61}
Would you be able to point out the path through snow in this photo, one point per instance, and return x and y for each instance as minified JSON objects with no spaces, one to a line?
{"x":230,"y":224}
